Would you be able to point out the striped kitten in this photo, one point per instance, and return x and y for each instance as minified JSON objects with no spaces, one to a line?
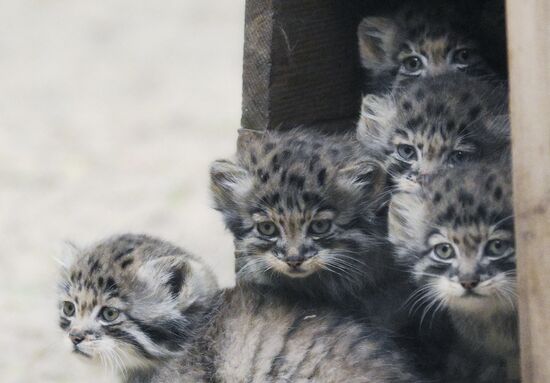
{"x":257,"y":337}
{"x":131,"y":302}
{"x":302,"y":209}
{"x":145,"y":306}
{"x":456,"y":236}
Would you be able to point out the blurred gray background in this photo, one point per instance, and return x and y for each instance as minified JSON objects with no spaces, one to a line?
{"x":110,"y":113}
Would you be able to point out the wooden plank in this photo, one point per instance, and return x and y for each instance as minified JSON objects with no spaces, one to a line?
{"x":301,"y":63}
{"x":529,"y":56}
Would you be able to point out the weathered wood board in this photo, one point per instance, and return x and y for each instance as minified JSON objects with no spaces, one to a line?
{"x":529,"y":63}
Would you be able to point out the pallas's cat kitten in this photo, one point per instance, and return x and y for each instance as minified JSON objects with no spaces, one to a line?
{"x":149,"y":309}
{"x":456,"y":237}
{"x":301,"y":206}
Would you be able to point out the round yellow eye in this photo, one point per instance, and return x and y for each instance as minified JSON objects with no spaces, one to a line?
{"x":497,"y":247}
{"x":444,"y":251}
{"x":109,"y":314}
{"x":320,"y":226}
{"x":68,"y":308}
{"x":267,"y":228}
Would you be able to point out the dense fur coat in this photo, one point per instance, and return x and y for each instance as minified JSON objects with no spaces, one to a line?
{"x":455,"y":234}
{"x":425,"y":39}
{"x":302,"y":207}
{"x":152,"y":312}
{"x":434,"y":124}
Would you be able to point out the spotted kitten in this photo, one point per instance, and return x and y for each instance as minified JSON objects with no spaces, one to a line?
{"x":434,"y":124}
{"x":456,"y":237}
{"x":149,"y":309}
{"x":131,"y":302}
{"x":420,"y":41}
{"x":302,"y":210}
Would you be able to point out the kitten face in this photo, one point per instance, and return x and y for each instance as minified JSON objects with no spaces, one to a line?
{"x":91,"y":321}
{"x":414,"y":44}
{"x":456,"y":236}
{"x":297,"y":208}
{"x":123,"y":303}
{"x":433,"y":125}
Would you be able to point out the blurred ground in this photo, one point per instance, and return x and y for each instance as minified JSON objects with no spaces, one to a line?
{"x":110,"y":113}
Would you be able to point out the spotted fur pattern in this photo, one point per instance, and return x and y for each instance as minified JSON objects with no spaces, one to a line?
{"x":131,"y":302}
{"x":434,"y":124}
{"x":419,"y":41}
{"x":318,"y":196}
{"x":456,"y":237}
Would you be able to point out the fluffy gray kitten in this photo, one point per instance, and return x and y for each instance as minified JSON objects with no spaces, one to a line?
{"x":152,"y":311}
{"x":456,"y":236}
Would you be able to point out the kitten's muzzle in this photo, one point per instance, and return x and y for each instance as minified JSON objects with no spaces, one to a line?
{"x":77,"y":337}
{"x":469,"y":284}
{"x":295,"y":261}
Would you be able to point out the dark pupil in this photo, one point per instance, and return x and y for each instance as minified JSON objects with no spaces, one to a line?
{"x":464,"y":55}
{"x":68,"y":308}
{"x":267,"y":228}
{"x":445,"y":248}
{"x":412,"y":63}
{"x":109,"y":313}
{"x":319,"y":226}
{"x":497,"y":245}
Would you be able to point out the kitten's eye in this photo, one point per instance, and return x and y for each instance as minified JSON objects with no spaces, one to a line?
{"x":320,"y":226}
{"x":267,"y":228}
{"x":457,"y":157}
{"x":109,"y":314}
{"x":412,"y":65}
{"x":68,"y":308}
{"x":497,"y":247}
{"x":407,"y":152}
{"x":463,"y":57}
{"x":444,"y":251}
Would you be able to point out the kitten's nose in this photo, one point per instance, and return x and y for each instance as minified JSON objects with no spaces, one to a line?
{"x":76,"y":337}
{"x":294,"y":261}
{"x":469,"y":284}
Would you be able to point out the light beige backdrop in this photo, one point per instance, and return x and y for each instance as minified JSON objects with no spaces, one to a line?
{"x":110,"y":112}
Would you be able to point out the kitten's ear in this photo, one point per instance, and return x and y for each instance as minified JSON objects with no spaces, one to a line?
{"x":229,"y":182}
{"x":68,"y":255}
{"x":377,"y":36}
{"x":178,"y":278}
{"x":247,"y":137}
{"x":405,"y":221}
{"x":375,"y":122}
{"x":365,"y":177}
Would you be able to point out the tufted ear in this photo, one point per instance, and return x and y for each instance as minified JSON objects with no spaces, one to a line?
{"x":377,"y":40}
{"x":229,"y":182}
{"x":175,"y":279}
{"x":247,"y":137}
{"x":405,"y":222}
{"x":375,"y":122}
{"x":365,"y":177}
